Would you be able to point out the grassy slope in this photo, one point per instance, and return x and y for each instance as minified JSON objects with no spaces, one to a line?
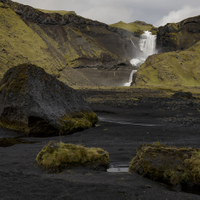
{"x":135,"y":27}
{"x":61,"y":12}
{"x":20,"y":44}
{"x":179,"y":68}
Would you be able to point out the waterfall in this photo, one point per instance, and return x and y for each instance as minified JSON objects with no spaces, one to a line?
{"x":130,"y":78}
{"x":147,"y":45}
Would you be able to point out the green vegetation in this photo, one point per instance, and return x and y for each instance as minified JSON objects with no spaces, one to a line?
{"x":61,"y":12}
{"x":58,"y":156}
{"x":136,"y":27}
{"x":15,"y":126}
{"x":28,"y":43}
{"x":171,"y":165}
{"x":179,"y":68}
{"x":20,"y":44}
{"x":7,"y":142}
{"x":78,"y":121}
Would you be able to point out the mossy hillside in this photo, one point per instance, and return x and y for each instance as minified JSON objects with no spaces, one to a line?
{"x":77,"y":45}
{"x":20,"y":43}
{"x":179,"y":68}
{"x":59,"y":156}
{"x":136,"y":27}
{"x":174,"y":166}
{"x":56,"y":41}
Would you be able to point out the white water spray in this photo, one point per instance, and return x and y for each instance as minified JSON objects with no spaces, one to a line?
{"x":130,"y":78}
{"x":147,"y":45}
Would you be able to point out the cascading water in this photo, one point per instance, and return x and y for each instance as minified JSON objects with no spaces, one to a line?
{"x":147,"y":46}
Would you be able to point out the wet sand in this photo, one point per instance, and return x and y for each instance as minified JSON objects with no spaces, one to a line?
{"x":120,"y":131}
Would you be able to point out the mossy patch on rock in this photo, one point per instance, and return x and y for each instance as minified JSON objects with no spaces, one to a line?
{"x":56,"y":156}
{"x":171,"y":165}
{"x":7,"y":142}
{"x":36,"y":103}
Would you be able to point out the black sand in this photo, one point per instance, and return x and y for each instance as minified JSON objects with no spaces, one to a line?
{"x":120,"y":131}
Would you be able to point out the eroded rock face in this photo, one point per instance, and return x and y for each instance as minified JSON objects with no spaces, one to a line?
{"x":178,"y":36}
{"x":36,"y":103}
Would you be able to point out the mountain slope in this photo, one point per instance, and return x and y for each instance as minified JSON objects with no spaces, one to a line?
{"x":180,"y":68}
{"x":137,"y":27}
{"x":58,"y":41}
{"x":20,"y":44}
{"x":179,"y":65}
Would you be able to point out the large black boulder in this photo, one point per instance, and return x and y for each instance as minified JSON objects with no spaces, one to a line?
{"x":36,"y":103}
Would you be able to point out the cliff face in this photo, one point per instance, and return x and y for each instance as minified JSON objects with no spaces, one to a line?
{"x":178,"y":36}
{"x":58,"y":41}
{"x":179,"y":64}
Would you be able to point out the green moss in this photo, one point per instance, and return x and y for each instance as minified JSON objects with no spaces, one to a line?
{"x":78,"y":121}
{"x":58,"y":156}
{"x":19,"y":82}
{"x":15,"y":125}
{"x":136,"y":27}
{"x":172,"y":165}
{"x":61,"y":12}
{"x":29,"y":43}
{"x":171,"y":69}
{"x":7,"y":142}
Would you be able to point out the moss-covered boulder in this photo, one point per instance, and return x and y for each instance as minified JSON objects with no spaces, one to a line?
{"x":59,"y":156}
{"x":36,"y":103}
{"x":178,"y":36}
{"x":171,"y":165}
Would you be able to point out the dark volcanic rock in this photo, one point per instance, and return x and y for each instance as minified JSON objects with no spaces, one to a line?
{"x":178,"y":36}
{"x":185,"y":95}
{"x":36,"y":103}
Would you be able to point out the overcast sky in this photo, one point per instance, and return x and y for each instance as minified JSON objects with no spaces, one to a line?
{"x":156,"y":12}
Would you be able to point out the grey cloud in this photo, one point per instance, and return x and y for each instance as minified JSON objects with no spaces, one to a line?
{"x":112,"y":11}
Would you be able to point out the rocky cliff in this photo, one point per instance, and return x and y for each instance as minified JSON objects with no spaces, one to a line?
{"x":178,"y":36}
{"x":179,"y":65}
{"x":60,"y":41}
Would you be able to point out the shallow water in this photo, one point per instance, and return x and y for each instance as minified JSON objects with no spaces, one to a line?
{"x":121,"y":121}
{"x":118,"y":170}
{"x":118,"y":167}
